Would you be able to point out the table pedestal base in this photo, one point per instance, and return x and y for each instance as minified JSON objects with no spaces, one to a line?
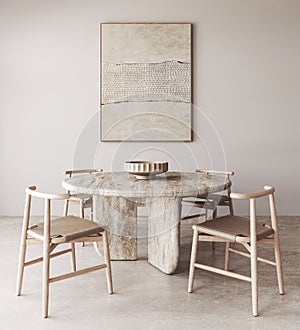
{"x":118,"y":215}
{"x":164,"y":233}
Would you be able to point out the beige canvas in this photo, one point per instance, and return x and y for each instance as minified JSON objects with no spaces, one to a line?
{"x":145,"y":86}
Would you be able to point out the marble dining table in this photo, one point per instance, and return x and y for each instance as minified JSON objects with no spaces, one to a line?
{"x":117,"y":195}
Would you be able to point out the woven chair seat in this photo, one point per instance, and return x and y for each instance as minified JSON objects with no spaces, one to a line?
{"x":66,"y":229}
{"x":230,"y":227}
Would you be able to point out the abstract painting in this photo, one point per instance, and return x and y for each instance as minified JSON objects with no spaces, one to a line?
{"x":145,"y":81}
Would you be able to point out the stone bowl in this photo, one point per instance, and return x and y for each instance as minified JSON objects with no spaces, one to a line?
{"x":144,"y":170}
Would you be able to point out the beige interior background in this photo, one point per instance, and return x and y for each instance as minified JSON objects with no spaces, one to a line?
{"x":246,"y":86}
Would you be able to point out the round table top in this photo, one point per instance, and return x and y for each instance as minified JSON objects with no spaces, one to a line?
{"x":169,"y":184}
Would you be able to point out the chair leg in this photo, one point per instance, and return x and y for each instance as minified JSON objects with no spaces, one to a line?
{"x":192,"y":261}
{"x":107,"y":261}
{"x":92,"y":212}
{"x":215,"y":213}
{"x":227,"y":256}
{"x":22,"y":256}
{"x":205,"y":214}
{"x":23,"y":245}
{"x":81,"y":209}
{"x":46,"y":268}
{"x":276,"y":245}
{"x":73,"y":257}
{"x":82,"y":215}
{"x":231,"y":206}
{"x":278,"y":264}
{"x":66,"y":208}
{"x":254,"y":280}
{"x":214,"y":216}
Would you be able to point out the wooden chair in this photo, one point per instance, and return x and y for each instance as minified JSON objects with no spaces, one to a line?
{"x":234,"y":229}
{"x":52,"y":233}
{"x":84,"y":201}
{"x":210,"y":201}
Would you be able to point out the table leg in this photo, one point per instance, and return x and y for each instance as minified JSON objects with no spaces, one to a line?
{"x":119,"y":216}
{"x":164,"y":233}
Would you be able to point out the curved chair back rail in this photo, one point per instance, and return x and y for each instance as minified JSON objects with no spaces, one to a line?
{"x":83,"y":171}
{"x":229,"y":173}
{"x":32,"y":191}
{"x":268,"y":191}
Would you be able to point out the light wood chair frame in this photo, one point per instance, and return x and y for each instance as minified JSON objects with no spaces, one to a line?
{"x":250,"y":244}
{"x":79,"y":199}
{"x":207,"y":202}
{"x":76,"y":199}
{"x":49,"y":247}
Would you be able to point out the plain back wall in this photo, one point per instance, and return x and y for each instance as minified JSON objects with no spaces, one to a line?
{"x":246,"y":78}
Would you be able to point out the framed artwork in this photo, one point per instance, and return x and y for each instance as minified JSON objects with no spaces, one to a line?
{"x":146,"y":81}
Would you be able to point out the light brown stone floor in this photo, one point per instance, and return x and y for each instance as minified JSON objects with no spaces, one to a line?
{"x":144,"y":297}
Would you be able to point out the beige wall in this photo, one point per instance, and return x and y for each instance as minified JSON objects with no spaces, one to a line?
{"x":246,"y":85}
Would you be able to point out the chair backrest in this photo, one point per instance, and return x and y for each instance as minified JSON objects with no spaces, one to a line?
{"x":31,"y":191}
{"x":227,"y":174}
{"x":268,"y":191}
{"x":69,"y":173}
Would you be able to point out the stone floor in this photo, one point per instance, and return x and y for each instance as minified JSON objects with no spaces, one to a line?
{"x":145,"y":298}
